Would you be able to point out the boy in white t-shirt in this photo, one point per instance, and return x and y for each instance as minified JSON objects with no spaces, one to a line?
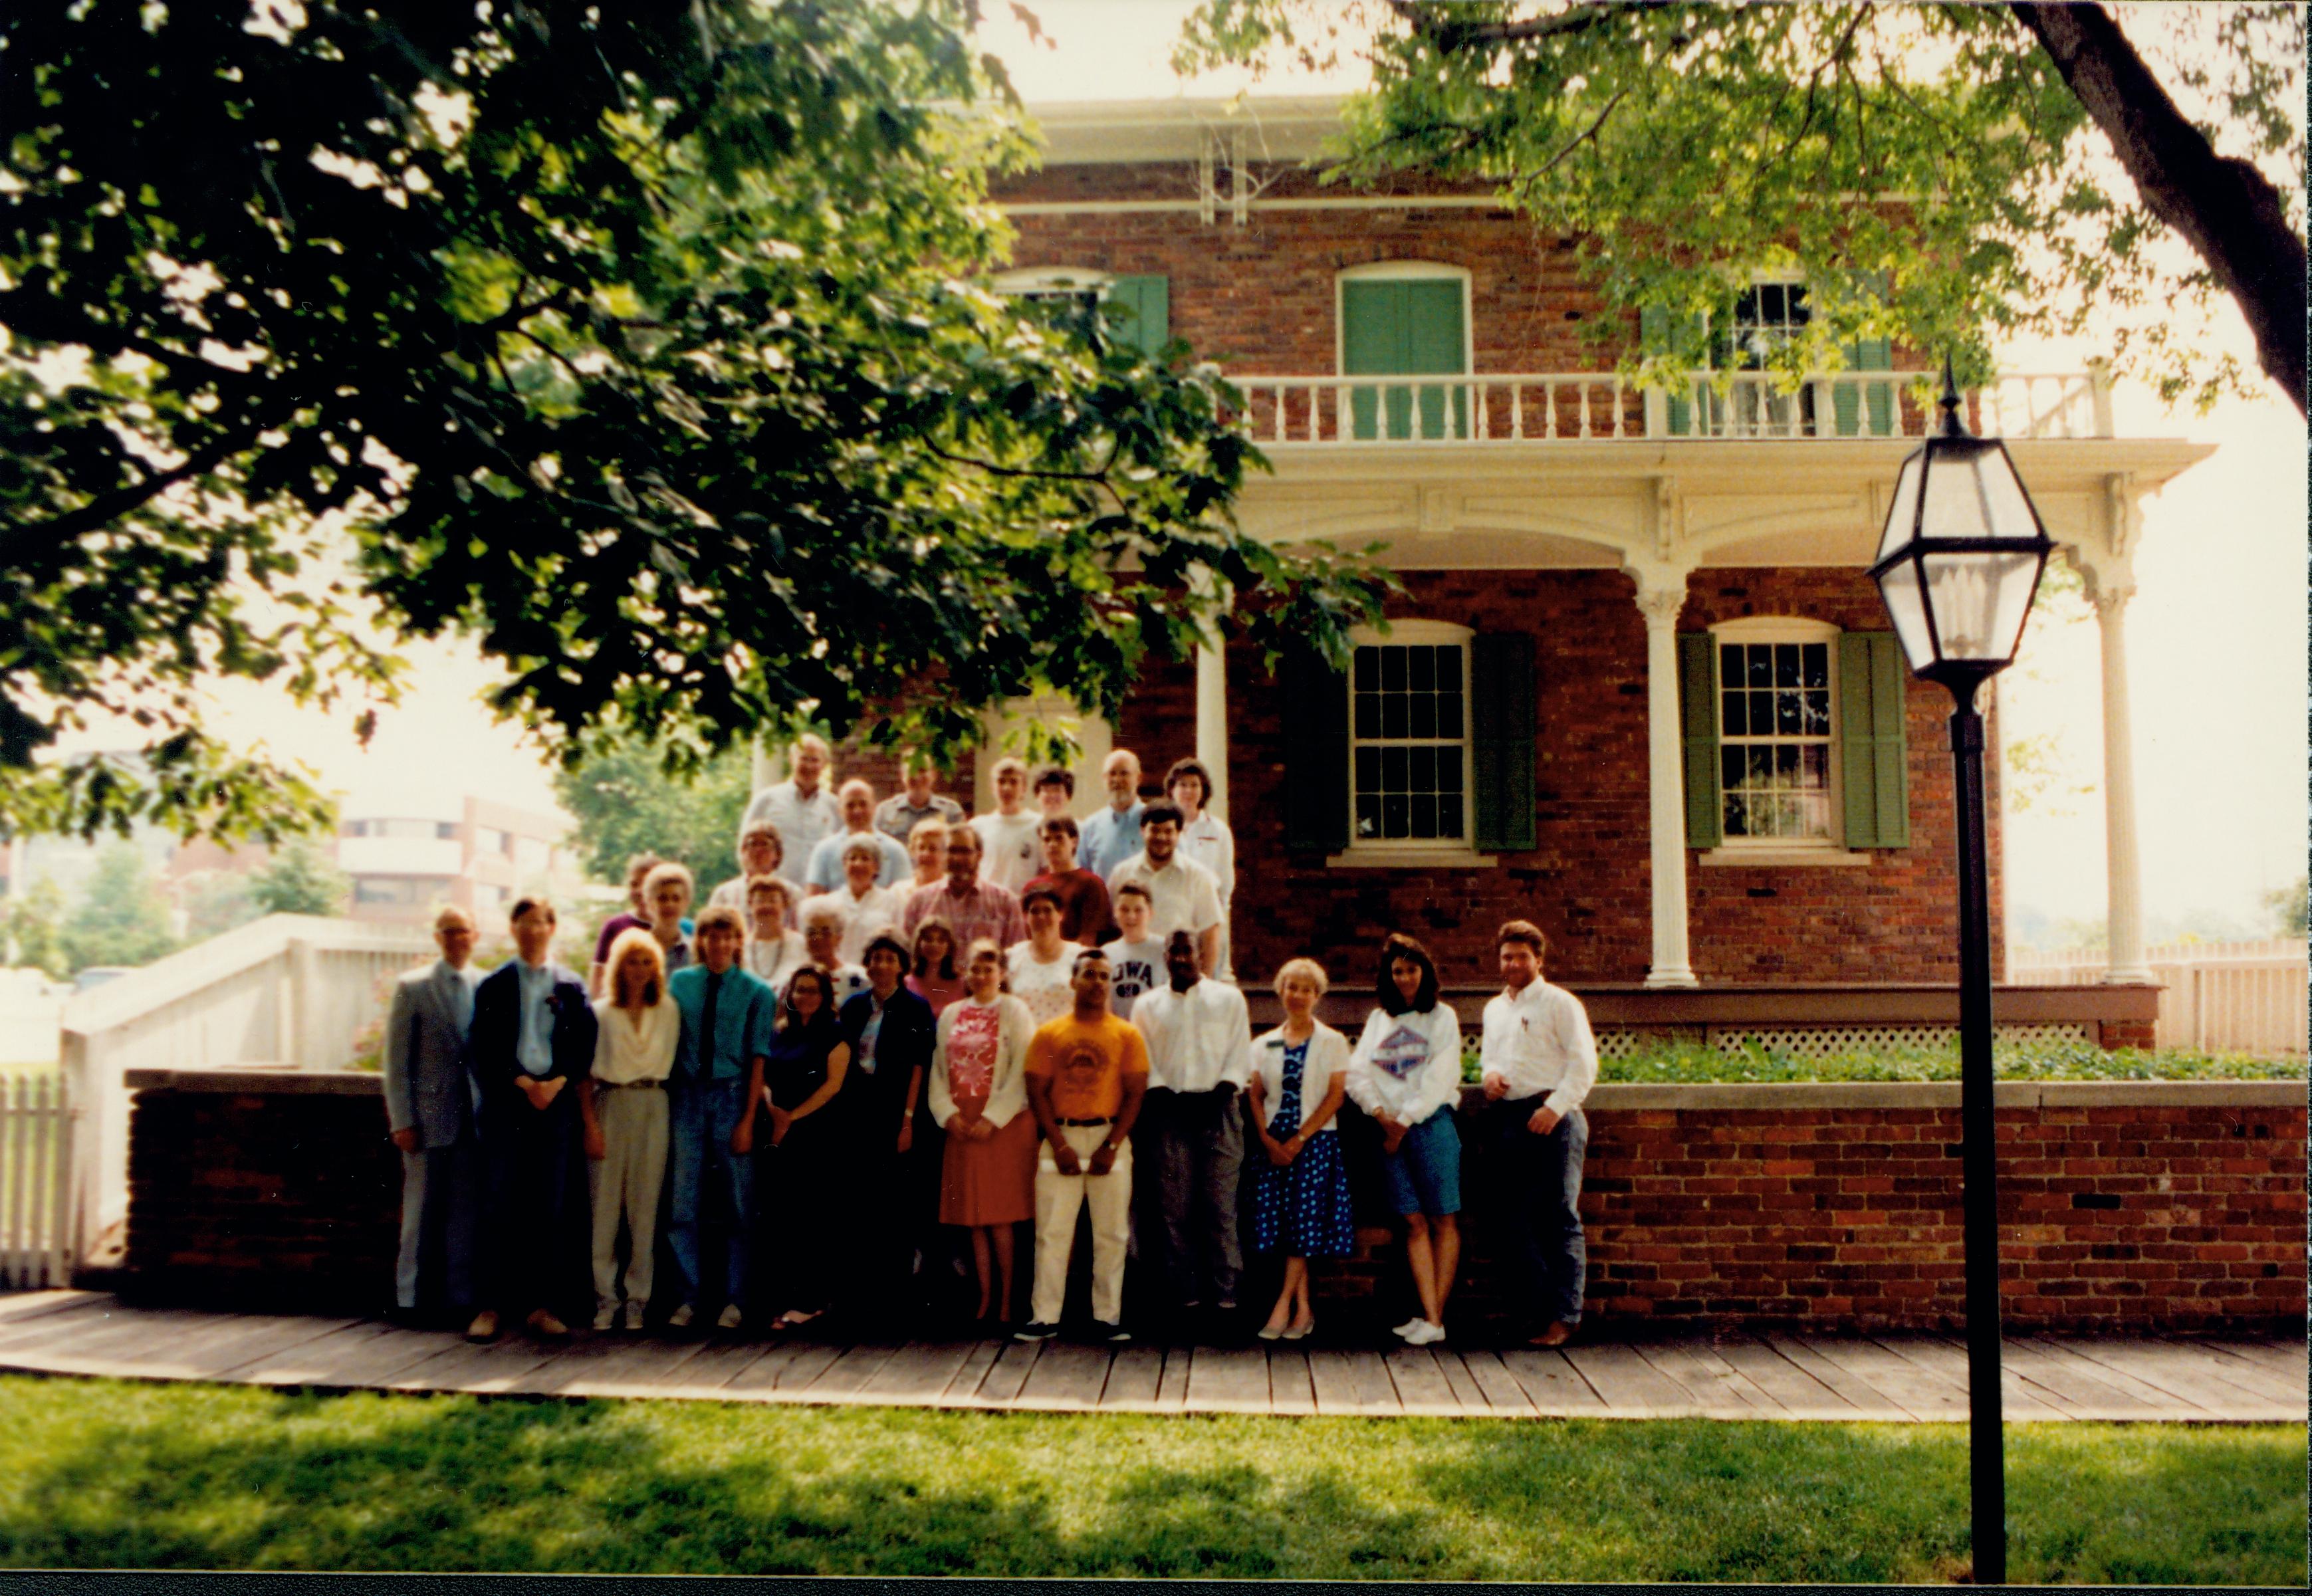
{"x":1011,"y":853}
{"x":1136,"y":958}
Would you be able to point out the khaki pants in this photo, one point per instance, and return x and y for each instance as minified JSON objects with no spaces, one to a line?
{"x":1057,"y":1198}
{"x":627,"y":1179}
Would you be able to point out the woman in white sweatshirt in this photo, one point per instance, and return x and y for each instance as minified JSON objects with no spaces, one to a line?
{"x":979,"y":1094}
{"x":1406,"y":1073}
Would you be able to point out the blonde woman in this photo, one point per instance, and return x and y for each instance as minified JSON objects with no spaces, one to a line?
{"x":774,"y":950}
{"x":1300,"y":1194}
{"x":623,"y":1105}
{"x":927,"y":852}
{"x":979,"y":1095}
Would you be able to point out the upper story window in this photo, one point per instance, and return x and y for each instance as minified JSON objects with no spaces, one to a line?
{"x":1744,"y":336}
{"x":406,"y":830}
{"x":1406,"y":318}
{"x":1409,"y":736}
{"x":1145,"y":300}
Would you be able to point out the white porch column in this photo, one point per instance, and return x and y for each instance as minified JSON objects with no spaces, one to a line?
{"x":1212,"y":721}
{"x":2124,"y":907}
{"x":1660,"y":601}
{"x":770,"y":766}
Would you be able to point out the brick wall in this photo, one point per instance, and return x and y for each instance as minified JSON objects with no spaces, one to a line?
{"x":1586,"y":883}
{"x":2126,"y":1205}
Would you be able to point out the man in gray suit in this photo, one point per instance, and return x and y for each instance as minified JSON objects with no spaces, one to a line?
{"x":429,"y":1105}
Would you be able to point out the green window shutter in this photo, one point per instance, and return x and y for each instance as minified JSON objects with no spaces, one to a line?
{"x":1316,"y":708}
{"x":1850,"y":401}
{"x":1405,"y":327}
{"x":1147,"y":304}
{"x":1502,"y":740}
{"x":1697,"y":685}
{"x":1654,"y":331}
{"x":1873,"y":751}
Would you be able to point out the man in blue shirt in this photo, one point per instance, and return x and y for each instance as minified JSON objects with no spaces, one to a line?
{"x":532,"y":1041}
{"x":1112,"y":834}
{"x":727,"y":1018}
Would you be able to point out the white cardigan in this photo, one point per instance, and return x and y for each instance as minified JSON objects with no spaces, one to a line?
{"x":1328,"y":1055}
{"x":1007,"y":1095}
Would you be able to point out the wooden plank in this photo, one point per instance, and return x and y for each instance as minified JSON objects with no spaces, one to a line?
{"x":1134,"y":1376}
{"x":1229,"y":1380}
{"x":1799,"y":1394}
{"x":2286,"y":1360}
{"x":1291,"y":1388}
{"x":1868,"y":1400}
{"x":850,"y":1372}
{"x":1497,"y":1385}
{"x":2255,"y":1374}
{"x":568,"y":1362}
{"x":1069,"y":1376}
{"x":1464,"y":1385}
{"x":367,"y":1343}
{"x":261,"y":1337}
{"x":1420,"y":1384}
{"x":1918,"y":1392}
{"x":1328,"y":1379}
{"x":1172,"y":1385}
{"x":963,"y":1391}
{"x":788,"y":1369}
{"x":1376,"y":1392}
{"x":2018,"y":1398}
{"x":918,"y":1371}
{"x":2077,"y":1392}
{"x":2185,"y":1379}
{"x":59,"y":1325}
{"x":25,"y":1304}
{"x":494,"y":1367}
{"x":644,"y":1366}
{"x":1631,"y":1387}
{"x":103,"y":1333}
{"x":1720,"y":1392}
{"x":1555,"y":1386}
{"x":713,"y":1364}
{"x":1000,"y":1386}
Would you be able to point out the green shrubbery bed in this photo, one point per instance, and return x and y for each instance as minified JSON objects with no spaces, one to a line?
{"x":1668,"y":1062}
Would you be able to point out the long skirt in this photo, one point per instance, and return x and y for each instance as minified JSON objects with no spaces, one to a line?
{"x":990,"y":1182}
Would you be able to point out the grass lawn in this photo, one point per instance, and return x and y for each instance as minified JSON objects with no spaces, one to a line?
{"x":1662,"y":1063}
{"x":101,"y":1474}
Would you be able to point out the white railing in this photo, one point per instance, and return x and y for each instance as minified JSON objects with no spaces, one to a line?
{"x":2220,"y":997}
{"x":1547,"y":407}
{"x":288,"y":991}
{"x":37,"y":1240}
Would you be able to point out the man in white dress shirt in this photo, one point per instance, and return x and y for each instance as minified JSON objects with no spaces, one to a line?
{"x":800,"y":807}
{"x":1182,"y":893}
{"x":1199,"y":1057}
{"x":1539,"y":1062}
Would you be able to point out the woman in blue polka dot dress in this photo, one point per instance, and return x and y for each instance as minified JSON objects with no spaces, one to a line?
{"x":1300,"y":1197}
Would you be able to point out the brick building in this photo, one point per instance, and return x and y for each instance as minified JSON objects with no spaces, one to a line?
{"x":1640,"y":688}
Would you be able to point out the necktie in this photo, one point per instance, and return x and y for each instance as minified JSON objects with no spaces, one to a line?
{"x":706,"y":1040}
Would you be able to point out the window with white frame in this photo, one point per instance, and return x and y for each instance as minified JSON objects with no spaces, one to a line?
{"x":1409,"y":764}
{"x":1768,"y":314}
{"x":1054,"y":285}
{"x":1776,"y":702}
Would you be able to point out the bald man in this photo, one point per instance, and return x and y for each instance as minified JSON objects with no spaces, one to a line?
{"x":429,"y":1109}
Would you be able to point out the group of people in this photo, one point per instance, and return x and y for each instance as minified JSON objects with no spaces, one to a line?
{"x":896,"y":1029}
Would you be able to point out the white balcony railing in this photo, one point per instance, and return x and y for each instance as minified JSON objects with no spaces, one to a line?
{"x":1547,"y":407}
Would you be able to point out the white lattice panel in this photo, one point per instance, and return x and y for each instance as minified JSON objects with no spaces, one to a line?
{"x":1822,"y":1041}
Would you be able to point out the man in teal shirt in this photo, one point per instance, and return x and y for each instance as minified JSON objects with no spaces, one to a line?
{"x":727,"y":1018}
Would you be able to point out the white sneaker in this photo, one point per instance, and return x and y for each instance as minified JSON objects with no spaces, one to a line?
{"x":680,"y":1319}
{"x":1408,"y":1327}
{"x":1424,"y":1334}
{"x":728,"y":1319}
{"x":633,"y":1316}
{"x":606,"y":1318}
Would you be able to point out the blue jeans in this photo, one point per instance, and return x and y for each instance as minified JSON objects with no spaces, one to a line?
{"x":701,"y":1117}
{"x":1537,"y":1183}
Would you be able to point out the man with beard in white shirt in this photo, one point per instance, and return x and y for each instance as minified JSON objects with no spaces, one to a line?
{"x":1181,"y":894}
{"x":1010,"y":854}
{"x":1199,"y":1057}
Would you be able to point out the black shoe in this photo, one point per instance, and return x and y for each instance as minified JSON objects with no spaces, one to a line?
{"x":1036,"y":1330}
{"x":1114,"y":1334}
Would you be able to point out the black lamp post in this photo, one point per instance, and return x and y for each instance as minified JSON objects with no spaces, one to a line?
{"x":1959,"y":566}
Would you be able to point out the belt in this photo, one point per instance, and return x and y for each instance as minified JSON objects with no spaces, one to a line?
{"x":616,"y":1085}
{"x":1110,"y":1120}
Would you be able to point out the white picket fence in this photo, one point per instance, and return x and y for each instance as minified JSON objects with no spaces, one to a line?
{"x":37,"y":1240}
{"x":2220,"y":997}
{"x":285,"y":992}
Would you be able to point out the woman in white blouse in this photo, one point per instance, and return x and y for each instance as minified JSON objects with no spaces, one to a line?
{"x":979,"y":1094}
{"x":1301,"y":1195}
{"x":774,"y":951}
{"x":622,"y":1103}
{"x":1205,"y":839}
{"x":1408,"y":1075}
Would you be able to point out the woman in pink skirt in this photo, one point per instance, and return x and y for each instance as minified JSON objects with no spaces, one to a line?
{"x":979,"y":1095}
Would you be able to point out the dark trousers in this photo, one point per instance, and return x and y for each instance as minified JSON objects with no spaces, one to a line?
{"x":537,"y":1209}
{"x":1537,"y":1191}
{"x":1201,"y":1142}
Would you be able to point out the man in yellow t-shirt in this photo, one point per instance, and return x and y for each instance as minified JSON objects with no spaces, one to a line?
{"x":1086,"y":1074}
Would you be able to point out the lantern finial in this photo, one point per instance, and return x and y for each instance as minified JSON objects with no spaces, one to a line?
{"x":1953,"y":427}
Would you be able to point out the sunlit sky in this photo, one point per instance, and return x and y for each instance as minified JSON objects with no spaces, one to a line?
{"x":2217,"y":635}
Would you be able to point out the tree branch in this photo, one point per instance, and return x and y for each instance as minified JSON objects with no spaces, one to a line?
{"x":2225,"y":208}
{"x":106,"y":508}
{"x":1437,"y":24}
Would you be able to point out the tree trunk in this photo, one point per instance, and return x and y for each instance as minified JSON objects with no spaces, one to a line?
{"x":2223,"y":207}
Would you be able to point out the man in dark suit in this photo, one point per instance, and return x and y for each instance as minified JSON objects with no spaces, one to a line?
{"x":429,"y":1106}
{"x":532,"y":1041}
{"x":891,"y":1033}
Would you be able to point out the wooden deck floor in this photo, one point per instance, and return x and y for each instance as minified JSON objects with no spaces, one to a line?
{"x":1898,"y":1379}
